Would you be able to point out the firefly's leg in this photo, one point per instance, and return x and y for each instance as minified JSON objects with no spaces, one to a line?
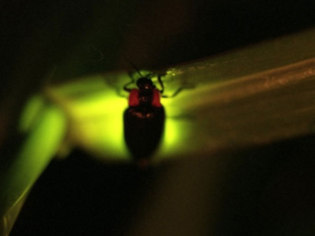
{"x":161,"y":83}
{"x":129,"y":83}
{"x":187,"y":86}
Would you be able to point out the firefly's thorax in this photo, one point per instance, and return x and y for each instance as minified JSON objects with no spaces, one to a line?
{"x":145,"y":97}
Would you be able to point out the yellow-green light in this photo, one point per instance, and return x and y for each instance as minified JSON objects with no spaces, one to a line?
{"x":95,"y":107}
{"x":39,"y":147}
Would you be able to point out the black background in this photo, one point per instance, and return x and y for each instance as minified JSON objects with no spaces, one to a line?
{"x":266,"y":189}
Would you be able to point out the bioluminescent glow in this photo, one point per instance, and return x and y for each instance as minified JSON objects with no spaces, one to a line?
{"x":96,"y":124}
{"x":213,"y":112}
{"x":31,"y":113}
{"x":95,"y":113}
{"x":176,"y":133}
{"x":94,"y":109}
{"x":39,"y":148}
{"x":250,"y":97}
{"x":42,"y":144}
{"x":218,"y":112}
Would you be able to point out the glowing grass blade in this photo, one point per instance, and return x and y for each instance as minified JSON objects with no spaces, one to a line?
{"x":239,"y":100}
{"x":95,"y":116}
{"x":37,"y":151}
{"x":31,"y":113}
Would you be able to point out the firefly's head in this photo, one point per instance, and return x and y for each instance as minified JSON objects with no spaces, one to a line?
{"x":145,"y":84}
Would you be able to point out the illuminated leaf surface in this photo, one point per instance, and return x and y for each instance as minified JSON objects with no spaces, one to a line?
{"x":246,"y":98}
{"x":249,"y":97}
{"x":33,"y":157}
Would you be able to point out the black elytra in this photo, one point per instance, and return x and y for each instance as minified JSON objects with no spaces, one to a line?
{"x":143,"y":119}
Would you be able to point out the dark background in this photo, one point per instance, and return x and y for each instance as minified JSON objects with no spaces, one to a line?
{"x":267,"y":189}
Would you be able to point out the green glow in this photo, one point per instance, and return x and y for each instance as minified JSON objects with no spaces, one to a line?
{"x":30,"y":113}
{"x":177,"y":130}
{"x":95,"y":114}
{"x":38,"y":149}
{"x":97,"y":125}
{"x":229,"y":108}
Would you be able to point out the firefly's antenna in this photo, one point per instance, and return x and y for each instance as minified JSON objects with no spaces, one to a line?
{"x":131,"y":75}
{"x":134,"y":67}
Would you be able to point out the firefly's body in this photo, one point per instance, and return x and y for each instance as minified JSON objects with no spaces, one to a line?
{"x":143,"y":120}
